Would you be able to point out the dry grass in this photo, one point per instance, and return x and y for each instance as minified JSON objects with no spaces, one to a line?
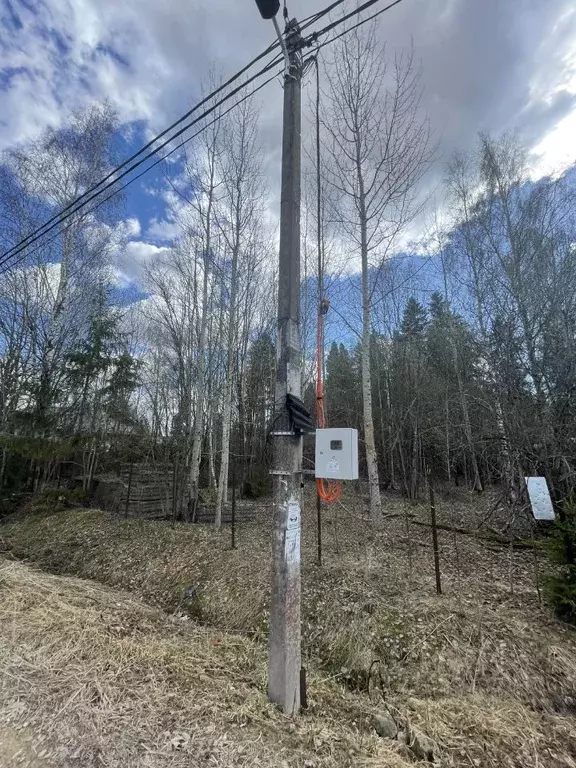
{"x":91,"y":677}
{"x":483,"y":669}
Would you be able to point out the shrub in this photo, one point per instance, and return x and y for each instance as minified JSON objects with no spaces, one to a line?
{"x":257,"y":485}
{"x":207,"y":496}
{"x":561,"y":586}
{"x":60,"y":498}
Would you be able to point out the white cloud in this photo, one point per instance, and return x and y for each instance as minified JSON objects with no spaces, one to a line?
{"x":139,"y":252}
{"x":132,"y":227}
{"x":134,"y":259}
{"x":163,"y":230}
{"x":146,"y":57}
{"x":557,"y":150}
{"x":149,"y":58}
{"x":486,"y":65}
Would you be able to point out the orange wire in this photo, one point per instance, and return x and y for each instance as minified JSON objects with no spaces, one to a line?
{"x":329,"y":491}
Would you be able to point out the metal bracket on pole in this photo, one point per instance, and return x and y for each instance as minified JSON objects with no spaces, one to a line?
{"x":282,"y":45}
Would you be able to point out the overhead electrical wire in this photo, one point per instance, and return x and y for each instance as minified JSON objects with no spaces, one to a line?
{"x":317,"y":16}
{"x":356,"y":12}
{"x":78,"y":204}
{"x":327,"y":490}
{"x":112,"y":178}
{"x":149,"y":168}
{"x":346,"y":31}
{"x":111,"y":174}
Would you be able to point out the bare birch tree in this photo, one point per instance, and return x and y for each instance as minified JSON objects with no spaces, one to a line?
{"x":241,"y":204}
{"x":55,"y":170}
{"x":380,"y":148}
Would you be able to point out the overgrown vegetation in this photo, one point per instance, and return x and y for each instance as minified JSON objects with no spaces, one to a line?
{"x":561,"y":586}
{"x":472,"y":669}
{"x":91,"y":676}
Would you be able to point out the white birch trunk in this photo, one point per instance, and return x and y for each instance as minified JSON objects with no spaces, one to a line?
{"x":369,"y":441}
{"x":222,"y":493}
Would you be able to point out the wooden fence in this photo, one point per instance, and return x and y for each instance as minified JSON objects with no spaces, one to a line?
{"x":158,"y":491}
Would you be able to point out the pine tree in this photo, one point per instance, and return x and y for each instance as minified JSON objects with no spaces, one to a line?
{"x":561,"y":587}
{"x":342,"y":388}
{"x":408,"y":374}
{"x":414,"y":320}
{"x":89,"y":362}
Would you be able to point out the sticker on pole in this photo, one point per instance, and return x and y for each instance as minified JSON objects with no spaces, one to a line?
{"x":292,"y":547}
{"x":540,"y":500}
{"x":293,"y":521}
{"x":292,"y":535}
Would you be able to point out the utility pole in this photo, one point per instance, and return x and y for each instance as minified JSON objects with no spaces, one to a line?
{"x":284,"y":639}
{"x":284,"y":663}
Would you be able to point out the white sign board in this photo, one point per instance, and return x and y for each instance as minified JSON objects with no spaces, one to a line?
{"x":540,"y":500}
{"x":293,"y":517}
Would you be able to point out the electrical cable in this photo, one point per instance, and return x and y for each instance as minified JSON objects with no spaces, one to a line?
{"x":61,"y":218}
{"x":356,"y":12}
{"x":331,"y":490}
{"x":143,"y":149}
{"x":77,"y":204}
{"x":317,"y":16}
{"x":328,"y":28}
{"x":145,"y":171}
{"x":328,"y":491}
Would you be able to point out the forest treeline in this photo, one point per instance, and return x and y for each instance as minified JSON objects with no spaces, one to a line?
{"x":464,"y":368}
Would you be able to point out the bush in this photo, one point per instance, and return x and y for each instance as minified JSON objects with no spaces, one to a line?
{"x":561,"y":587}
{"x":257,"y":485}
{"x":60,"y":498}
{"x":207,"y":496}
{"x":9,"y":503}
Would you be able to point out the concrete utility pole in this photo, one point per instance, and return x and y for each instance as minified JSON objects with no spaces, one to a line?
{"x":284,"y":640}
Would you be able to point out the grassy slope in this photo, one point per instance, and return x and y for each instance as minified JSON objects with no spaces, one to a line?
{"x":485,"y":673}
{"x":91,"y":677}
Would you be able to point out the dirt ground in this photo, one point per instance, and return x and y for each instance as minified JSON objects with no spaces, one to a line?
{"x":483,"y":670}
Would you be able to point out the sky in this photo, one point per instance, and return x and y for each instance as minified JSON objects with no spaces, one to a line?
{"x":487,"y":65}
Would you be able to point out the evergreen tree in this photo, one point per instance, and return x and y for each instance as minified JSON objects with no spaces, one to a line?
{"x":561,"y":586}
{"x":342,"y":391}
{"x":123,"y":379}
{"x":414,"y":320}
{"x":408,"y":384}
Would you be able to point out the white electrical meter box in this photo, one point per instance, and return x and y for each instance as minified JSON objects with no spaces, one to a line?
{"x":337,"y":454}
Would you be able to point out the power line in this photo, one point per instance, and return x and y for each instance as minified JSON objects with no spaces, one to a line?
{"x":356,"y":12}
{"x":345,"y":18}
{"x":317,"y":16}
{"x":149,"y":168}
{"x":78,"y":204}
{"x":143,"y":149}
{"x":101,"y":187}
